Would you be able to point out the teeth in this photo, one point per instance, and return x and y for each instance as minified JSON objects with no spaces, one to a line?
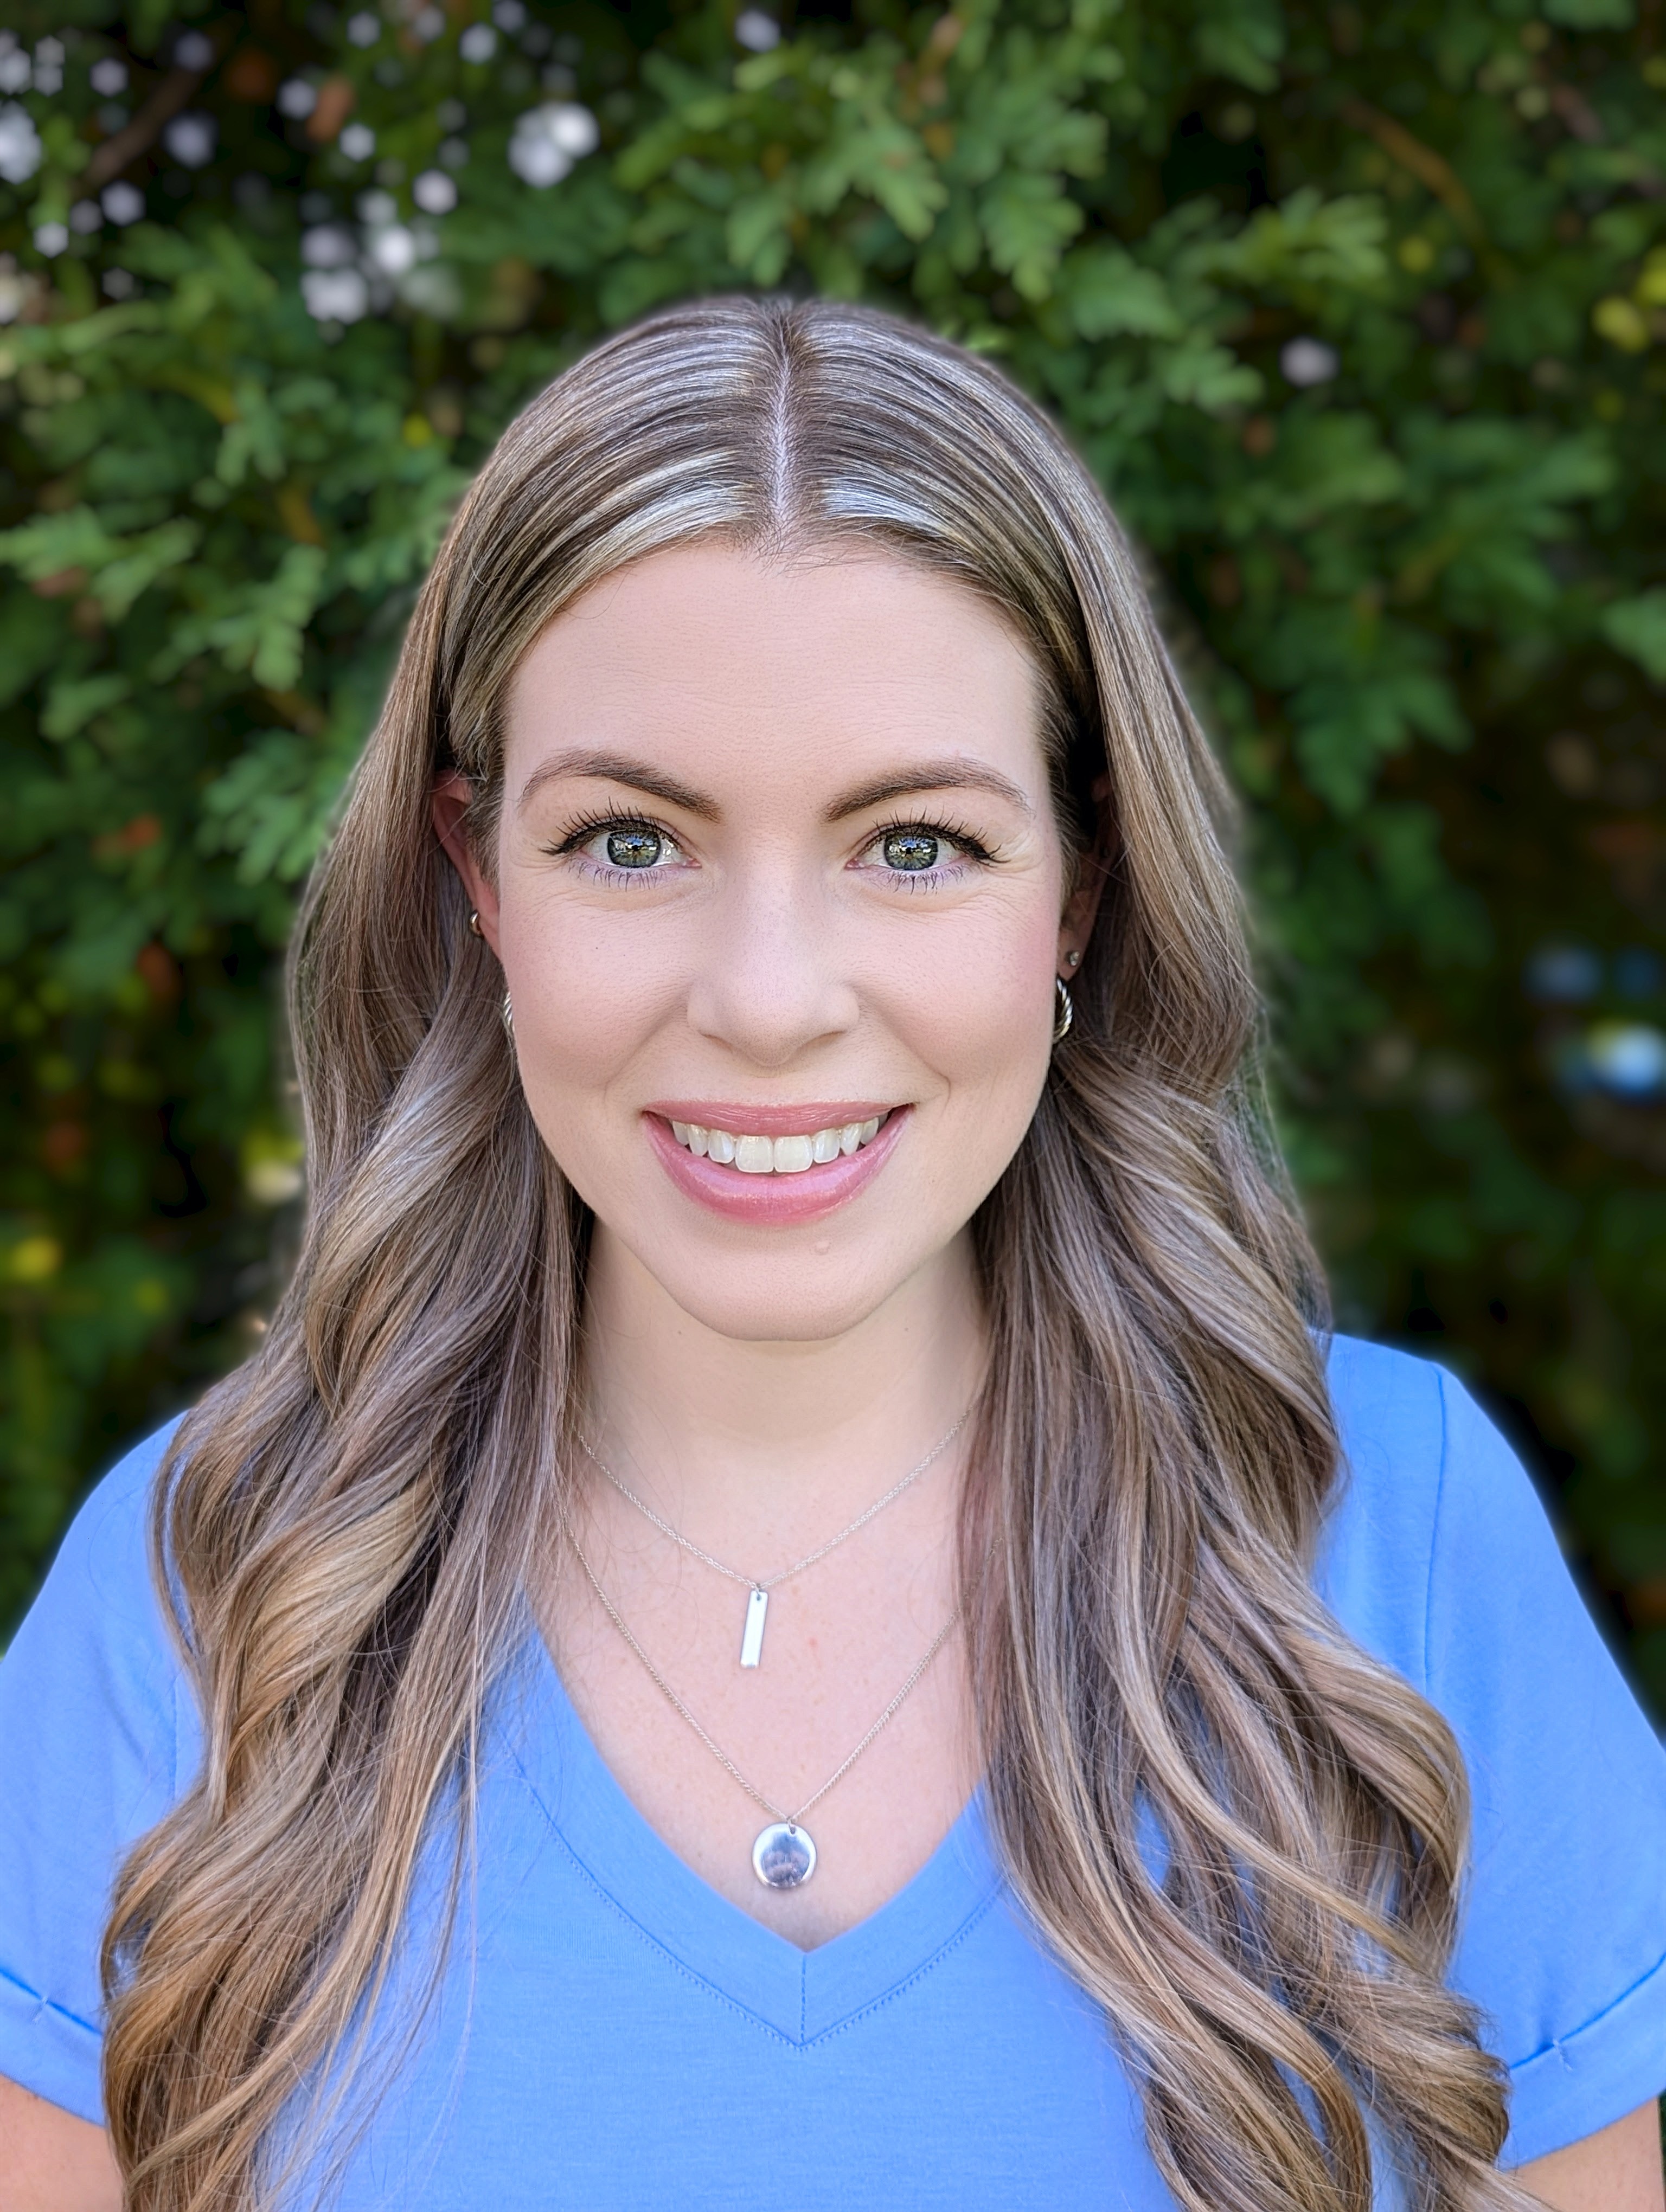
{"x":775,"y":1155}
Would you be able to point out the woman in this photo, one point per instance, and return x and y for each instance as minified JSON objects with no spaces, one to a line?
{"x":794,"y":1607}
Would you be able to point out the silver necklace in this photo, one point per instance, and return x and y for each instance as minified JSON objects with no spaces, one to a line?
{"x":784,"y":1853}
{"x":759,"y":1587}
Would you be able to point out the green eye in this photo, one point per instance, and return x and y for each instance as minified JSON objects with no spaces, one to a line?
{"x":911,"y":849}
{"x":638,"y":846}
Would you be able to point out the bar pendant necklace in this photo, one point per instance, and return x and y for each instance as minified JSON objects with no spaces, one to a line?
{"x":752,"y":1636}
{"x":759,"y":1587}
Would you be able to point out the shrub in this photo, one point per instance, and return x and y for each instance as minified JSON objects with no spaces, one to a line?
{"x":1354,"y":310}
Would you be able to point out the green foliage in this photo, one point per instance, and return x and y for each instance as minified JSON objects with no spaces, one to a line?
{"x":1354,"y":309}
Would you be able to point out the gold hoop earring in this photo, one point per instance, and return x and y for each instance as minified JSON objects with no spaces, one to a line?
{"x":508,"y":1013}
{"x":1066,"y":1010}
{"x":474,"y":924}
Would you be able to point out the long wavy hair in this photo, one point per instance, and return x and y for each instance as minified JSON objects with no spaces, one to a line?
{"x":1241,"y":1836}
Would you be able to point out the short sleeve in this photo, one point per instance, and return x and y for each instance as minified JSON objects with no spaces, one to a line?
{"x":1563,"y":1942}
{"x":97,"y":1740}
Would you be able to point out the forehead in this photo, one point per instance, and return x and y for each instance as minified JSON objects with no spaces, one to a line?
{"x":782,"y":669}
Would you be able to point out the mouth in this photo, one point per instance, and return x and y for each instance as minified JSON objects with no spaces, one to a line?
{"x":754,"y":1152}
{"x":774,"y":1164}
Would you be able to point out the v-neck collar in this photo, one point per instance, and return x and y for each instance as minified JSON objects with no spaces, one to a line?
{"x":801,"y":1995}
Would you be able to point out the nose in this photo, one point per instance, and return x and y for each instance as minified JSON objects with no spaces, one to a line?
{"x":768,"y":982}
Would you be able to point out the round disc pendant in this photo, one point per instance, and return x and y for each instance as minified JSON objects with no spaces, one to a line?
{"x":783,"y":1857}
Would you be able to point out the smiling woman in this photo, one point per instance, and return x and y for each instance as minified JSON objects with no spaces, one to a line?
{"x":781,"y":840}
{"x":773,"y":1030}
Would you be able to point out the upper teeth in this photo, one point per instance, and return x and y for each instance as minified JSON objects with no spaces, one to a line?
{"x":774,"y":1155}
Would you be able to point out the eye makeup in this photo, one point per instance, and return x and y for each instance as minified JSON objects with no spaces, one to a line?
{"x":909,"y":850}
{"x":633,"y":847}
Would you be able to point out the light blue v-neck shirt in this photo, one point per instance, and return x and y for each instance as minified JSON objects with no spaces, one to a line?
{"x":611,"y":2036}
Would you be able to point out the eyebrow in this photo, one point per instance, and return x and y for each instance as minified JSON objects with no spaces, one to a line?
{"x":929,"y":776}
{"x":619,"y":768}
{"x":950,"y":774}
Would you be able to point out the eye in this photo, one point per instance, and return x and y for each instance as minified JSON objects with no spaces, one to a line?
{"x":910,"y":850}
{"x":635,"y":845}
{"x":927,"y":854}
{"x":615,"y":845}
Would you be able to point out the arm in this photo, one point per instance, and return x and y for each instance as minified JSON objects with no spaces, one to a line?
{"x":1617,"y":2170}
{"x":49,"y":2161}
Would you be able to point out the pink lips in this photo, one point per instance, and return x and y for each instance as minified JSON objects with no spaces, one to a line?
{"x":772,"y":1201}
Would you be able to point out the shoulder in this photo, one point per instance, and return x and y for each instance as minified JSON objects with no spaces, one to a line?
{"x":98,"y":1739}
{"x":1439,"y":1559}
{"x":1384,"y":1398}
{"x":103,"y":1563}
{"x":1426,"y":1480}
{"x":97,"y":1638}
{"x":108,"y":1539}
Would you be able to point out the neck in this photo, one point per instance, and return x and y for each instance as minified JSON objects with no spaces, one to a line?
{"x":757,"y":1434}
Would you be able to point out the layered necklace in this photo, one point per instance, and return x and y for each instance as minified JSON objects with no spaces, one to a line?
{"x":783,"y":1853}
{"x":759,"y":1587}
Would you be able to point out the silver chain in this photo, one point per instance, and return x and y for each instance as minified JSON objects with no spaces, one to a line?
{"x":810,"y":1558}
{"x":774,"y":1811}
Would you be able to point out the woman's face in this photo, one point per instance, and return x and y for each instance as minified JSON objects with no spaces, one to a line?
{"x":778,"y":900}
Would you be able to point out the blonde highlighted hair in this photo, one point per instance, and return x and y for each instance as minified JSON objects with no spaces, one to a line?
{"x":349,"y":1520}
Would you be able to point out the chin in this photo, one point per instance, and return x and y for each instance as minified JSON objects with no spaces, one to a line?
{"x":808,"y":1299}
{"x":756,"y":1280}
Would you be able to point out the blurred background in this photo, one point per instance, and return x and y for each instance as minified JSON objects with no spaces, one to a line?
{"x":1358,"y":312}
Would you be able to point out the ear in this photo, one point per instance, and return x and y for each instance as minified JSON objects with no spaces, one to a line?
{"x":451,"y":796}
{"x":1082,"y":907}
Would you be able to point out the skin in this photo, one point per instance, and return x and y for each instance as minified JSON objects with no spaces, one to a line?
{"x":761,"y":1384}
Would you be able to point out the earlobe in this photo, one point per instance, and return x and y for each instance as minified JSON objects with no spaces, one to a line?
{"x":1081,"y":911}
{"x":1082,"y":908}
{"x":452,"y":797}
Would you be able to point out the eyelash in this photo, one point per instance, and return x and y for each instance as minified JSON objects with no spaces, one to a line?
{"x":587,"y":826}
{"x":974,"y":853}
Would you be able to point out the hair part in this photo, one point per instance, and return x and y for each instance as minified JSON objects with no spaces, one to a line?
{"x":1241,"y":1835}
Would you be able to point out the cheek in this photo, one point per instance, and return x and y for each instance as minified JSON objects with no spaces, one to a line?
{"x":975,"y":1003}
{"x":957,"y":1015}
{"x":586,"y":1003}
